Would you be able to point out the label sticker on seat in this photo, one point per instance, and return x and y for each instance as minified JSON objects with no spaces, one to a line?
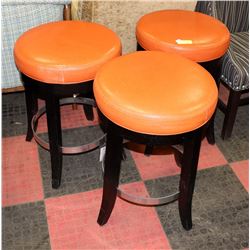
{"x":182,"y":41}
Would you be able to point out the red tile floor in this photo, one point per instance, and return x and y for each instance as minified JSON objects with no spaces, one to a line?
{"x":36,"y":218}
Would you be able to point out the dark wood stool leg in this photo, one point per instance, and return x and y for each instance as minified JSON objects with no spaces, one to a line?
{"x":31,"y":107}
{"x":188,"y":175}
{"x":112,"y":167}
{"x":210,"y":130}
{"x":230,"y":114}
{"x":214,"y":68}
{"x":55,"y":138}
{"x":88,"y":110}
{"x":178,"y":156}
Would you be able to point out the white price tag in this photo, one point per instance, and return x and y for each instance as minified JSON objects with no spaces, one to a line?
{"x":102,"y":153}
{"x":182,"y":41}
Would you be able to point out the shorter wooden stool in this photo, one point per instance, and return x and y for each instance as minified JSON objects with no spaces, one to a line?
{"x":60,"y":60}
{"x":157,"y":98}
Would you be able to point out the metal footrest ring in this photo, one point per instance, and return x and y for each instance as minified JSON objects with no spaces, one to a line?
{"x":145,"y":201}
{"x":68,"y":150}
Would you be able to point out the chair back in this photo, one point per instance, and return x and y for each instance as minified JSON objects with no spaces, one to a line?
{"x":234,"y":14}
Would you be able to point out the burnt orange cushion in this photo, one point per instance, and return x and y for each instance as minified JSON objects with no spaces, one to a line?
{"x":65,"y":52}
{"x":159,"y":31}
{"x":154,"y":92}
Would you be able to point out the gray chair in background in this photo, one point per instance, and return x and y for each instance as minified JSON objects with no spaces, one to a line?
{"x":17,"y":17}
{"x":235,"y":63}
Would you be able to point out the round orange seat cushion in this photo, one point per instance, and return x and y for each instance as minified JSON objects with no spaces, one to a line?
{"x":161,"y":30}
{"x":65,"y":52}
{"x":154,"y":92}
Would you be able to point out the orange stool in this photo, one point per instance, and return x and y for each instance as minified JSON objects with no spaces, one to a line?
{"x":153,"y":98}
{"x":193,"y":35}
{"x":59,"y":60}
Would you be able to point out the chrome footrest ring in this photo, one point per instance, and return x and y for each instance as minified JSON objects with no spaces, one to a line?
{"x":68,"y":150}
{"x":145,"y":201}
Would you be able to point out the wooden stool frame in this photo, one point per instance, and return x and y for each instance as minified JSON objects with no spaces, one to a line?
{"x":114,"y":155}
{"x":52,"y":93}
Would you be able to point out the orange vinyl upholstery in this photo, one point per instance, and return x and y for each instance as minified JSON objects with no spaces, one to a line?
{"x":154,"y":92}
{"x":205,"y":38}
{"x":65,"y":52}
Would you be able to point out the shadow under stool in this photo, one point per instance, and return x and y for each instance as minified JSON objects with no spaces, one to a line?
{"x":58,"y":61}
{"x":155,"y":98}
{"x":191,"y":34}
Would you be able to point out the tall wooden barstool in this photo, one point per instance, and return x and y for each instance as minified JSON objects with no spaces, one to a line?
{"x":59,"y":60}
{"x":154,"y":98}
{"x":194,"y":35}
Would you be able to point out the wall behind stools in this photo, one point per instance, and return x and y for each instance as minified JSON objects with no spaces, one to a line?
{"x":122,"y":16}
